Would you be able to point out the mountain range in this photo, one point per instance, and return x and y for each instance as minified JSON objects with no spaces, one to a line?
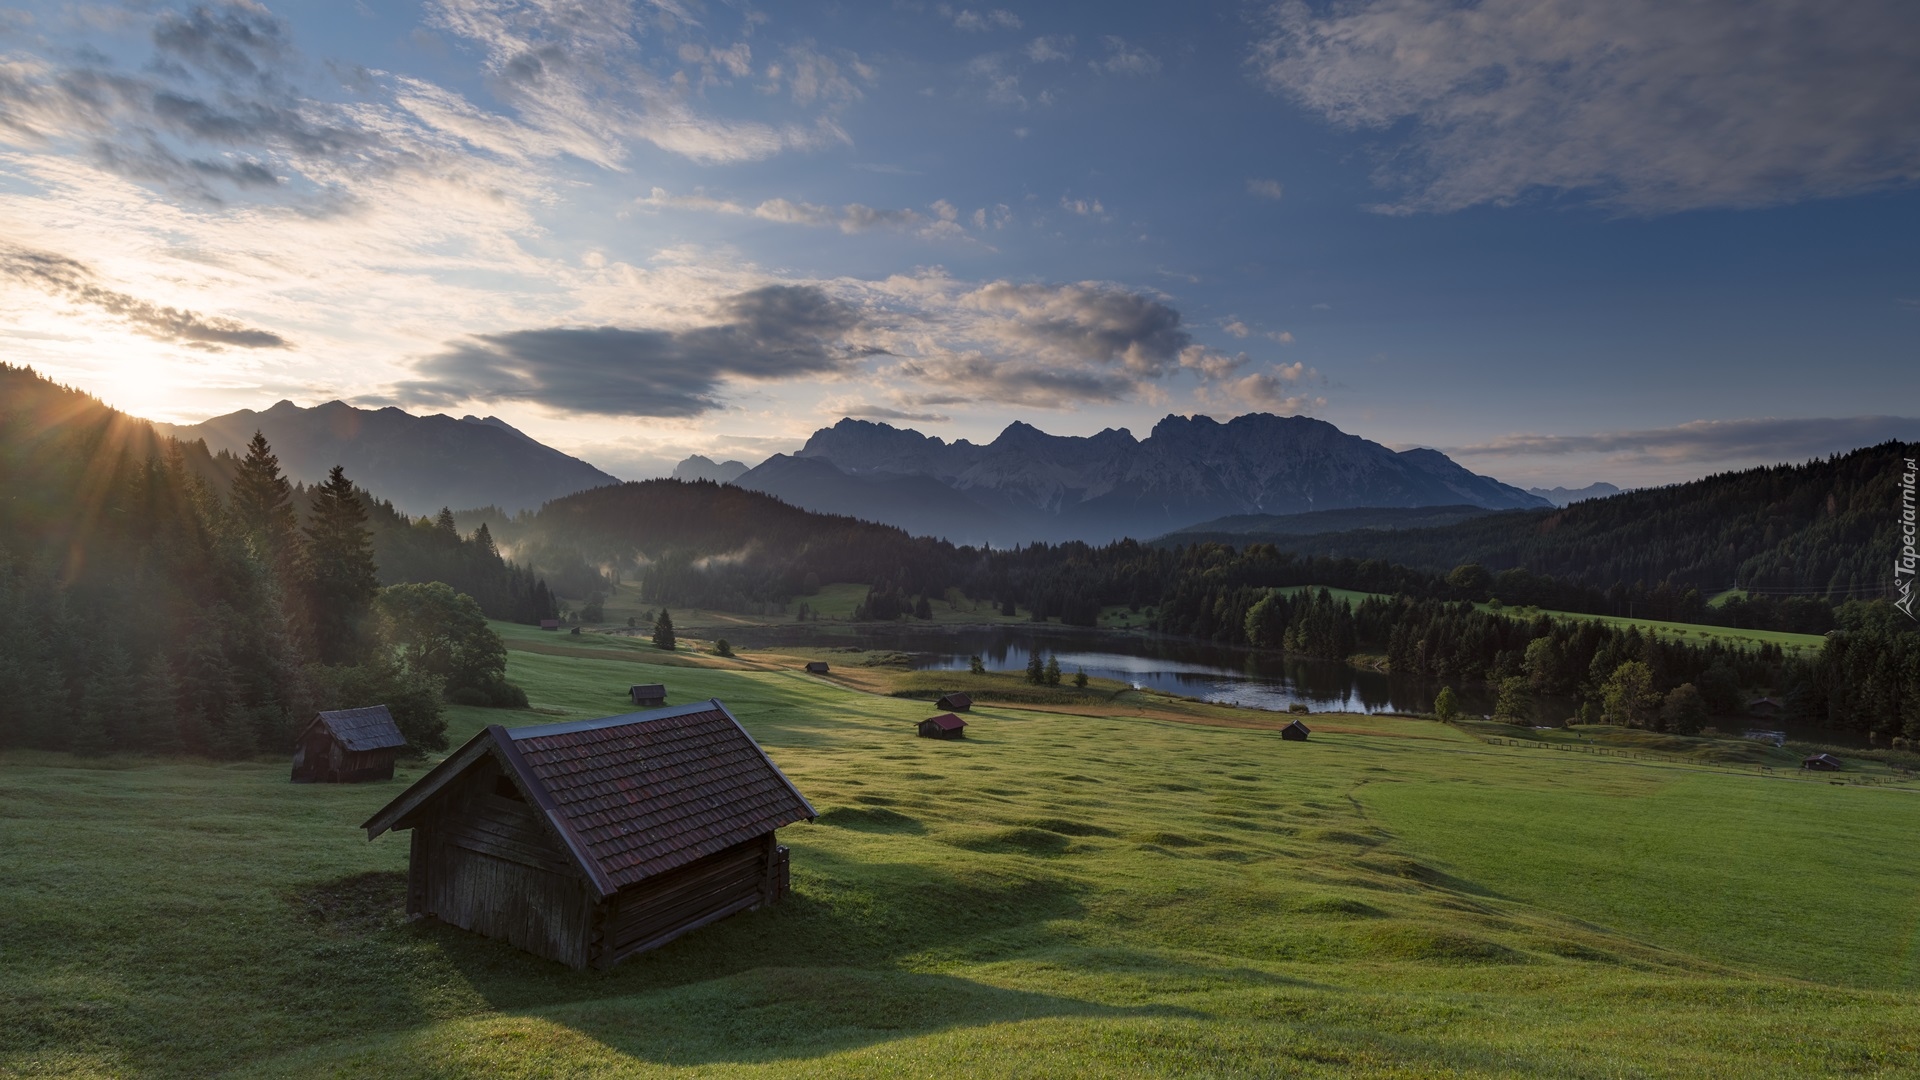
{"x":422,"y":463}
{"x":1028,"y":485}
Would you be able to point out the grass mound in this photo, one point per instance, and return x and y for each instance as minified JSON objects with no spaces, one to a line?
{"x":874,"y":819}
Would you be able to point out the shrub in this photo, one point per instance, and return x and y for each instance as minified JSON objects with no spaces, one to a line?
{"x":722,"y":648}
{"x":1299,"y":707}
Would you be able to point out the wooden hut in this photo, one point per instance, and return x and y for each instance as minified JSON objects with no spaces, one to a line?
{"x":549,"y":624}
{"x":591,"y":841}
{"x":1821,"y":763}
{"x":955,"y":702}
{"x":1764,"y":706}
{"x":816,"y":667}
{"x":648,"y":695}
{"x":1296,"y":732}
{"x":944,"y":726}
{"x":347,"y":746}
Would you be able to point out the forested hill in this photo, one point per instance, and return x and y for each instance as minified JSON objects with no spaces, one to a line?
{"x":674,"y":532}
{"x":1825,"y":528}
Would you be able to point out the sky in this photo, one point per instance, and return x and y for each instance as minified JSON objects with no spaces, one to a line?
{"x":1561,"y":241}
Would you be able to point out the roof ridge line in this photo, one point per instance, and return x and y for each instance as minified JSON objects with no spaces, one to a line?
{"x":534,"y":731}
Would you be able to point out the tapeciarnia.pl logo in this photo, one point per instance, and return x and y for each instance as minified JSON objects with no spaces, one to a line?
{"x":1903,"y":563}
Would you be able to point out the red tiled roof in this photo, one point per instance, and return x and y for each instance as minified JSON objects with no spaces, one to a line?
{"x":946,"y":722}
{"x":647,"y":792}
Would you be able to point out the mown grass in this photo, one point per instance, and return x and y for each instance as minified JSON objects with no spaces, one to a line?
{"x":1062,"y":893}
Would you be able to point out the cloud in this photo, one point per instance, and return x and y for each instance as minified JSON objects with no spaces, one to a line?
{"x":1759,"y":439}
{"x":850,"y":218}
{"x":1124,"y":59}
{"x":1082,"y":207}
{"x":1265,"y":189}
{"x":882,"y":412}
{"x":1051,"y":47}
{"x":980,"y":21}
{"x":1274,"y":390}
{"x":1643,"y":106}
{"x":972,"y":379}
{"x":72,"y":279}
{"x":769,"y":333}
{"x":579,"y":74}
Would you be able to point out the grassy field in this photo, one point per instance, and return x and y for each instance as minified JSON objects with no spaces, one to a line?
{"x":1101,"y":884}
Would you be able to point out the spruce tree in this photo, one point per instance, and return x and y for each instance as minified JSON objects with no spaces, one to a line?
{"x":1036,"y":669}
{"x":663,"y":631}
{"x":1053,"y":671}
{"x":262,"y":502}
{"x":340,"y":569}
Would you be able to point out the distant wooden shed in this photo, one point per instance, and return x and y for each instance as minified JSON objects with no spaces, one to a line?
{"x":589,"y":842}
{"x":816,"y":667}
{"x":347,"y":746}
{"x":1296,"y":732}
{"x":955,"y":702}
{"x":648,"y":695}
{"x":1764,"y":706}
{"x":1821,"y":763}
{"x":944,"y":726}
{"x":549,"y":624}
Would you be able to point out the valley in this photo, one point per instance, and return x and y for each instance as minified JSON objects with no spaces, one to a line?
{"x":1126,"y":894}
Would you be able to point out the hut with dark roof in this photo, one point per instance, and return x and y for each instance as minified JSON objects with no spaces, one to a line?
{"x":1821,"y":763}
{"x":549,"y":624}
{"x":955,"y":702}
{"x":944,"y":726}
{"x":589,"y":842}
{"x":1296,"y":732}
{"x":648,"y":695}
{"x":347,"y":746}
{"x":816,"y":667}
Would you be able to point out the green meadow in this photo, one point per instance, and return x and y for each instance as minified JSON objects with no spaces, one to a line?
{"x":1098,"y":886}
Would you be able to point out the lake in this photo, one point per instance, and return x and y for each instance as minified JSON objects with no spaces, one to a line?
{"x":1243,"y":677}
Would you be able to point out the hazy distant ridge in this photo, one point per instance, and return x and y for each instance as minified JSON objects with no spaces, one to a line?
{"x":422,"y":463}
{"x":1029,"y":485}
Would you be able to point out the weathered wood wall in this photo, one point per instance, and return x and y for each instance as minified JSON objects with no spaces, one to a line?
{"x":655,"y":911}
{"x":485,"y":863}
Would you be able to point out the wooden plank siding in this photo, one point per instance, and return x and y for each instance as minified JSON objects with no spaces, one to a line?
{"x":651,"y":913}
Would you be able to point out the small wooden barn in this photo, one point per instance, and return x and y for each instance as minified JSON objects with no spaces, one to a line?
{"x":591,"y":841}
{"x":347,"y":746}
{"x":1296,"y":732}
{"x":1764,"y":706}
{"x":955,"y":702}
{"x":816,"y":667}
{"x":549,"y":624}
{"x":648,"y":695}
{"x":1821,"y":763}
{"x":944,"y":726}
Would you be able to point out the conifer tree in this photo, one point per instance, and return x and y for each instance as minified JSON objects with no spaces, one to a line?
{"x":262,"y":503}
{"x":663,"y":631}
{"x":340,"y":570}
{"x":1053,"y":670}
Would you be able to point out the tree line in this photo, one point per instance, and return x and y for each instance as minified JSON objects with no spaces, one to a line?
{"x":148,"y":606}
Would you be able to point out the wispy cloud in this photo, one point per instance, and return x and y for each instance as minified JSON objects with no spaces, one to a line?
{"x":1265,"y":189}
{"x":1709,"y":441}
{"x":1125,"y":59}
{"x":1641,"y":105}
{"x":74,"y":281}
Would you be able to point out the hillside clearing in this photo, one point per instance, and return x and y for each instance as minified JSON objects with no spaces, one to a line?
{"x":1091,"y":893}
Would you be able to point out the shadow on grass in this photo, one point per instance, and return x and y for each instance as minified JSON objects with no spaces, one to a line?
{"x":773,"y":1014}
